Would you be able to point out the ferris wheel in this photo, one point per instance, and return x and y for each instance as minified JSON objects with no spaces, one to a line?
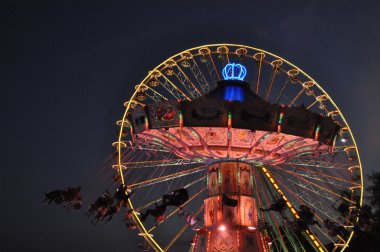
{"x":266,"y":157}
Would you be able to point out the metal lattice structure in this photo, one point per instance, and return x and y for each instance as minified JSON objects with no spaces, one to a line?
{"x":326,"y":178}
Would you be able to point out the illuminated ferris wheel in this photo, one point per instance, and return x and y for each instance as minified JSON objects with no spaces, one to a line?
{"x":250,"y":153}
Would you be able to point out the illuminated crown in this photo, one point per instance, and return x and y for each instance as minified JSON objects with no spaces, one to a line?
{"x":234,"y":71}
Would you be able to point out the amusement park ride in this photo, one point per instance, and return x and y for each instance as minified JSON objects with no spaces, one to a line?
{"x":263,"y":155}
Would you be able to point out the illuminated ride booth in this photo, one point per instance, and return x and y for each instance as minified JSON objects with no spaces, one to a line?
{"x":230,"y":128}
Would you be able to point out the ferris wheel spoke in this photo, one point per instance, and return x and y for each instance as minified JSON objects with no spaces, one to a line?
{"x":328,"y":237}
{"x":322,"y":176}
{"x":318,"y":176}
{"x":154,"y":95}
{"x":264,"y":195}
{"x":310,"y":189}
{"x":198,"y":75}
{"x":177,"y":209}
{"x":206,"y":58}
{"x":324,"y":208}
{"x":183,"y":229}
{"x":343,"y":147}
{"x":159,"y":163}
{"x":284,"y":86}
{"x":212,"y":69}
{"x":192,"y":90}
{"x":312,"y":104}
{"x":259,"y":60}
{"x":297,"y":96}
{"x":260,"y":198}
{"x":339,"y":169}
{"x":317,"y":163}
{"x":314,"y":241}
{"x":177,"y":93}
{"x":303,"y":186}
{"x":274,"y":73}
{"x":142,"y":146}
{"x":318,"y":189}
{"x":167,"y":177}
{"x":130,"y":154}
{"x":304,"y":202}
{"x":324,"y":212}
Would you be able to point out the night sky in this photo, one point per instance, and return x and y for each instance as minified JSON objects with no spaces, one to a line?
{"x":66,"y":67}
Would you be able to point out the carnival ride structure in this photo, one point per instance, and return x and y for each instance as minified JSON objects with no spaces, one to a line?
{"x":241,"y":129}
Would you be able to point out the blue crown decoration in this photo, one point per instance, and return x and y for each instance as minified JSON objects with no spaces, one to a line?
{"x":234,"y":71}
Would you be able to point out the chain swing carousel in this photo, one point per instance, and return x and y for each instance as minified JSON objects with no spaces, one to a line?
{"x":250,"y":153}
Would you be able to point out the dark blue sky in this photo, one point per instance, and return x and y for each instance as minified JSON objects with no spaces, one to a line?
{"x":66,"y":67}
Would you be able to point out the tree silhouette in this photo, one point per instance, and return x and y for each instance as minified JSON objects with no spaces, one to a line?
{"x":367,"y":232}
